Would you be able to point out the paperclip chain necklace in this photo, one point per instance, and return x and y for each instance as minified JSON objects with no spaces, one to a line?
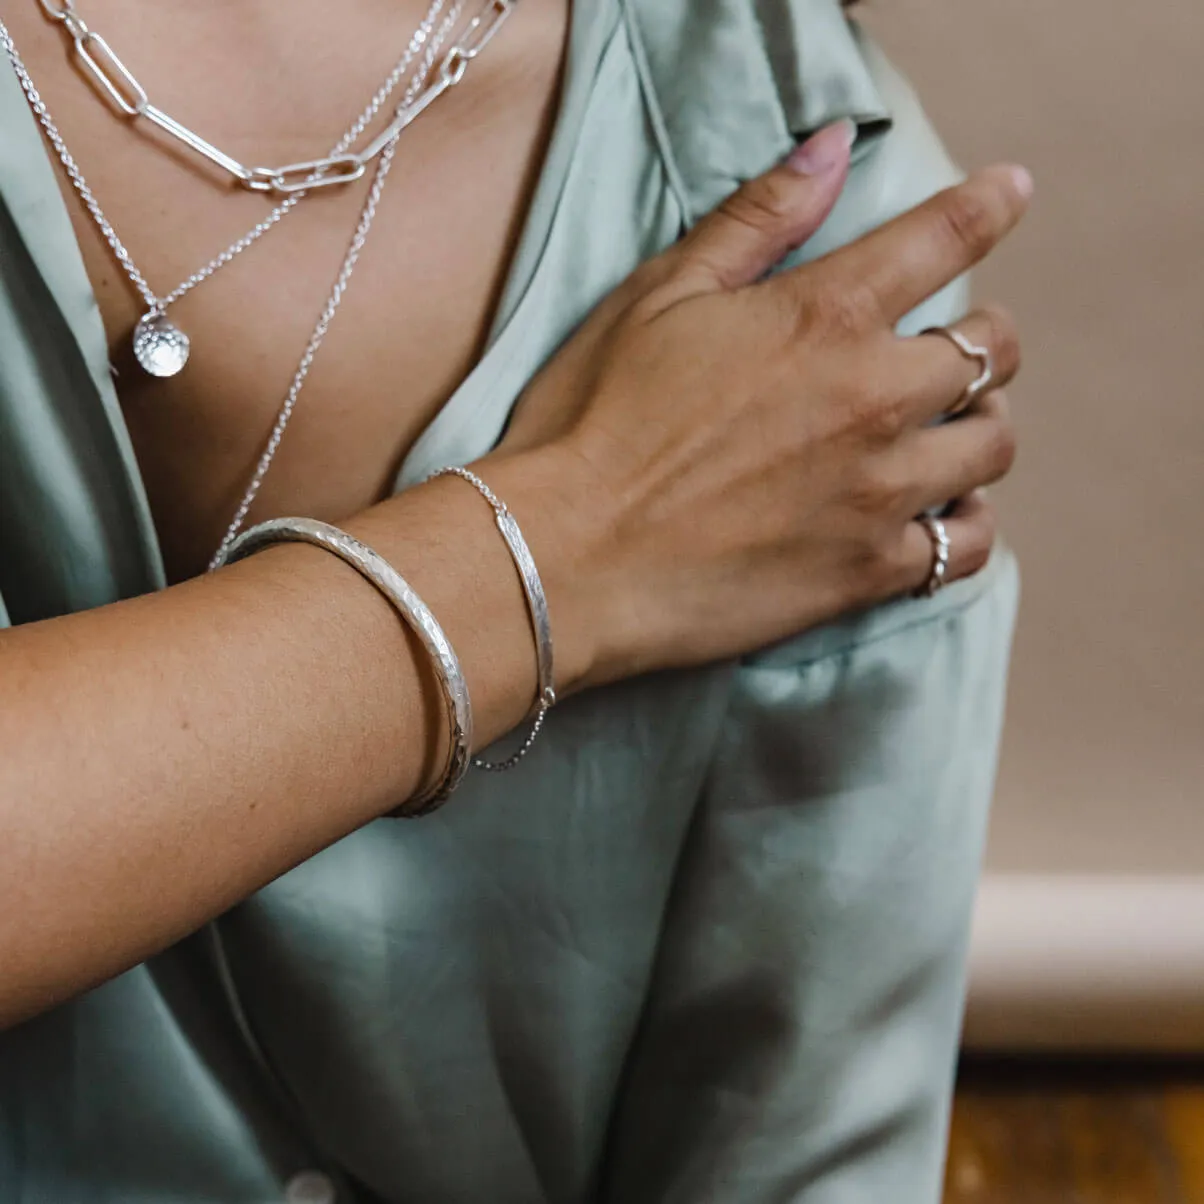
{"x":159,"y":345}
{"x":120,"y":87}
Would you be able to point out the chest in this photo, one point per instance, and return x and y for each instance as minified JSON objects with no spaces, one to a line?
{"x":278,"y":86}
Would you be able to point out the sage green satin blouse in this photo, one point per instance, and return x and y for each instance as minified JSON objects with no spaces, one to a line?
{"x":707,"y":943}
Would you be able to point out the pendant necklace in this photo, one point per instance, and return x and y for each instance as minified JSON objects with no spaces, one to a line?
{"x":159,"y":345}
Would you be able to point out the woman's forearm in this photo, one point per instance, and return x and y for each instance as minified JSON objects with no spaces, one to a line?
{"x":166,"y":756}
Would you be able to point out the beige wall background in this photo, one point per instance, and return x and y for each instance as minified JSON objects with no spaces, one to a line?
{"x":1102,"y":780}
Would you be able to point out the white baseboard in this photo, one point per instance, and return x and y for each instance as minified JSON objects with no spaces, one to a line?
{"x":1087,"y":963}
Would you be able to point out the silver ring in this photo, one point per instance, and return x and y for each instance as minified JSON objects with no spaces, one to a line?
{"x":939,"y":535}
{"x":972,"y":352}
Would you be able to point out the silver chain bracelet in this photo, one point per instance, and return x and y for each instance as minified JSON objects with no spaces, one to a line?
{"x":537,"y":606}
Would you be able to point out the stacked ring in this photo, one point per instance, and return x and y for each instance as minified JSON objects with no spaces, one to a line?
{"x":939,"y":535}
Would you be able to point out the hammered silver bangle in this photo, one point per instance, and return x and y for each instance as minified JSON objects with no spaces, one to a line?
{"x":537,"y":607}
{"x":413,"y":611}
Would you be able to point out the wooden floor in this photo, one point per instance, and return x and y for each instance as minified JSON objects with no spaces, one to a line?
{"x":1075,"y":1134}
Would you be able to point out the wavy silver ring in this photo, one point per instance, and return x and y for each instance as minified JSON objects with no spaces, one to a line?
{"x":972,"y":352}
{"x":939,"y":535}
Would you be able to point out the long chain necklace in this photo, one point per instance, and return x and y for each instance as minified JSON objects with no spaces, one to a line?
{"x":476,"y":36}
{"x":367,"y":214}
{"x":160,"y":346}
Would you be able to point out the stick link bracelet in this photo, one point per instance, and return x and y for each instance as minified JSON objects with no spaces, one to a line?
{"x":537,"y":606}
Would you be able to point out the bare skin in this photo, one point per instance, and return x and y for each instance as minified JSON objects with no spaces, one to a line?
{"x":166,"y":757}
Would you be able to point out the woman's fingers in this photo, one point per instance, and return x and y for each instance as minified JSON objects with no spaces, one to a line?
{"x":956,"y":458}
{"x":881,"y":277}
{"x":766,"y":219}
{"x":970,"y":526}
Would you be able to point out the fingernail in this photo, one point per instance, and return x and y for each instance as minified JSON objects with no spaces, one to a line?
{"x":825,"y":151}
{"x":1023,"y":181}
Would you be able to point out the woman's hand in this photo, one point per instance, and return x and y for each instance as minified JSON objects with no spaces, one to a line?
{"x":747,"y":455}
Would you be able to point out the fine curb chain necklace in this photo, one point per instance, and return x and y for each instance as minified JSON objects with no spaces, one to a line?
{"x":160,"y":347}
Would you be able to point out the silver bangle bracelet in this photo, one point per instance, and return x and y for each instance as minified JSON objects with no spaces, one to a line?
{"x":417,"y":616}
{"x":537,"y":607}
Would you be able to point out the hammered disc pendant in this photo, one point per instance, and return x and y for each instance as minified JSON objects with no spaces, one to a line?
{"x":160,"y":346}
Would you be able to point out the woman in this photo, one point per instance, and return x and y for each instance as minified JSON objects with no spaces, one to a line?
{"x":706,"y":940}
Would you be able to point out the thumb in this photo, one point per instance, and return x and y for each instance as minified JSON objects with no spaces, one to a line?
{"x":767,"y":218}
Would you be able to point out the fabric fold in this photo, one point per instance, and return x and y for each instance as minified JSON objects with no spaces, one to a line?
{"x":736,"y":84}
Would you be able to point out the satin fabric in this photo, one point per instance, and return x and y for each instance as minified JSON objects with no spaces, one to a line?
{"x":708,"y":942}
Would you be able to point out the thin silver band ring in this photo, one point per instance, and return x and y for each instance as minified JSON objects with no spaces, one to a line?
{"x":972,"y":352}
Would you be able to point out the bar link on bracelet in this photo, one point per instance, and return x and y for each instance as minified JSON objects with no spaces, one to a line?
{"x":537,"y":607}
